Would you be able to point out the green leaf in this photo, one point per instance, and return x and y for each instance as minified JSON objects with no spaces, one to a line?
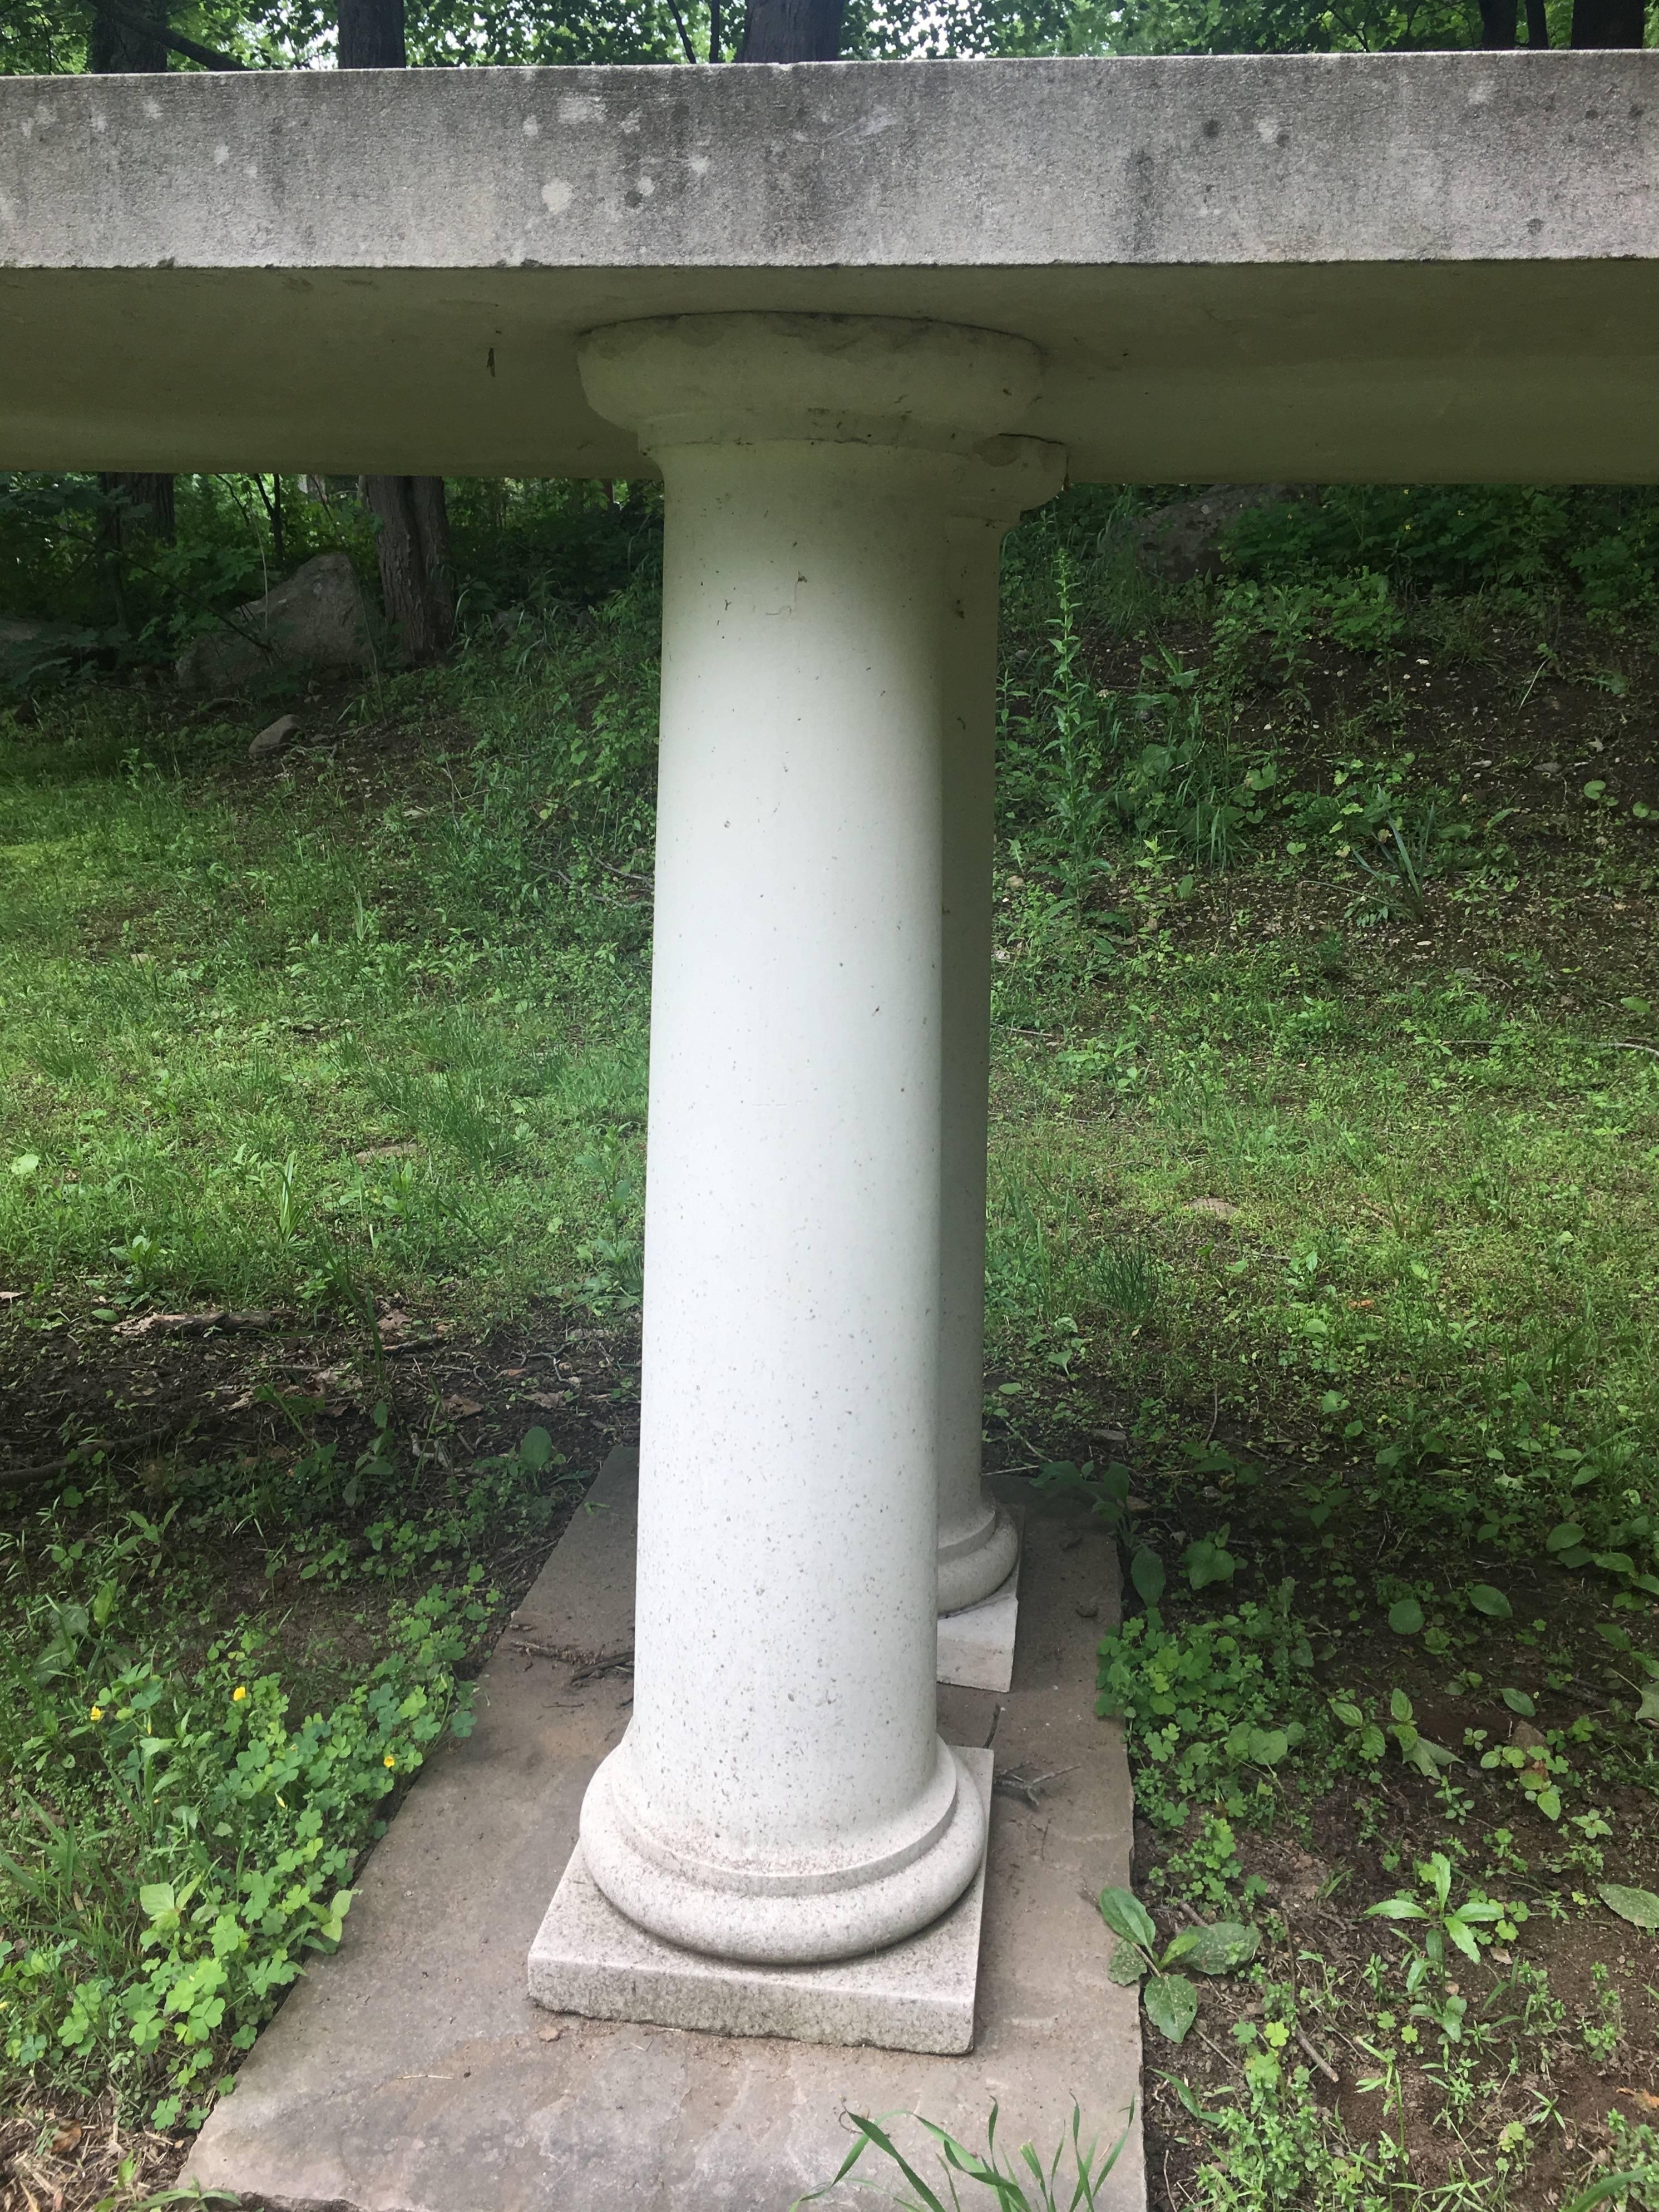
{"x":1464,"y":1938}
{"x":1397,"y":1908}
{"x":537,"y":1449}
{"x":1266,"y":1746}
{"x":1171,"y":2003}
{"x":1400,"y":1705}
{"x":1563,"y":1536}
{"x":1436,"y":1870}
{"x":1128,"y":1964}
{"x":1518,"y":1702}
{"x":1146,"y":1573}
{"x":1639,"y":1906}
{"x":1614,"y":1563}
{"x":1492,"y":1603}
{"x":1548,"y":1802}
{"x":1125,"y":1916}
{"x":1406,"y":1617}
{"x":1649,"y":1708}
{"x":25,"y":1164}
{"x":1350,"y":1716}
{"x":156,"y":1898}
{"x":1217,"y":1949}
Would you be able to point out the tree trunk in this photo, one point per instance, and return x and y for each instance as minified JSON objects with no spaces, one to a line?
{"x":413,"y":543}
{"x":414,"y":549}
{"x":371,"y":34}
{"x":127,"y":45}
{"x":1608,"y":22}
{"x":792,"y":31}
{"x":1498,"y":27}
{"x":123,"y":44}
{"x":1538,"y":27}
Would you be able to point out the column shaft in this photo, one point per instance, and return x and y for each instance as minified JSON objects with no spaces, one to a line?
{"x":782,"y":1790}
{"x":977,"y":1544}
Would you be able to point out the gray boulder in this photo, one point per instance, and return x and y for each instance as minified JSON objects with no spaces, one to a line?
{"x":314,"y":623}
{"x":1183,"y":540}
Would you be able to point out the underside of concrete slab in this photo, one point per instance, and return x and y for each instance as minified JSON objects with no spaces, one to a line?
{"x":411,"y":2073}
{"x":1413,"y":267}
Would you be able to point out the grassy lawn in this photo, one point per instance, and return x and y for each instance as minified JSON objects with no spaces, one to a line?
{"x":1323,"y":1255}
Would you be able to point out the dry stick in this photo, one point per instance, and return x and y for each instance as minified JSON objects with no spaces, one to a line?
{"x":1329,"y":2072}
{"x":679,"y":25}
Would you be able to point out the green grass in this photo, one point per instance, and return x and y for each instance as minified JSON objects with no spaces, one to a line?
{"x":367,"y":1026}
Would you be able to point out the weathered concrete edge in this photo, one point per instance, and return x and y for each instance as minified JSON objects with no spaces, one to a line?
{"x":1074,"y":162}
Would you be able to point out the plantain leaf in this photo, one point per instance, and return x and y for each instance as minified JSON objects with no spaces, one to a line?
{"x":1125,"y":1916}
{"x":1171,"y":2003}
{"x":1492,"y":1603}
{"x":1128,"y":1965}
{"x":1216,"y":1949}
{"x":1146,"y":1573}
{"x":1639,"y":1906}
{"x":1406,"y":1617}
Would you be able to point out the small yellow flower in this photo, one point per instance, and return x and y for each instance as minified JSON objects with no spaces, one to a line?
{"x":238,"y":1694}
{"x":388,"y":1760}
{"x":97,"y":1713}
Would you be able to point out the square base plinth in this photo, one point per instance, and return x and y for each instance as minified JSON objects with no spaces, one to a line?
{"x":976,"y":1645}
{"x":410,"y":2071}
{"x":915,"y":1996}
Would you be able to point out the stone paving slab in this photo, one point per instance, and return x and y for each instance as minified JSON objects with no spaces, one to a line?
{"x":410,"y":2072}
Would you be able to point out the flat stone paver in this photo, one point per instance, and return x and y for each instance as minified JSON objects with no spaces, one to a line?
{"x":410,"y":2072}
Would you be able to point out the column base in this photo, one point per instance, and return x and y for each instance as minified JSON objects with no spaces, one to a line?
{"x":916,"y":1995}
{"x":976,"y":1645}
{"x":976,"y":1553}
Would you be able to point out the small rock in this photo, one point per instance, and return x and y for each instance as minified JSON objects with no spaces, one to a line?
{"x":550,"y":2034}
{"x":1528,"y":1738}
{"x":275,"y":737}
{"x":1088,"y":1610}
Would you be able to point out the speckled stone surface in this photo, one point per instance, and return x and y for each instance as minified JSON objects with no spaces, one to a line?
{"x":915,"y":1996}
{"x":411,"y":2073}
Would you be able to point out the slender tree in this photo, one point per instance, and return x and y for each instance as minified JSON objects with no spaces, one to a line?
{"x":416,"y":582}
{"x":131,"y":39}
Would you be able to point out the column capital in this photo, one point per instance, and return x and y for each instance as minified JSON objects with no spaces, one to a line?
{"x":840,"y":380}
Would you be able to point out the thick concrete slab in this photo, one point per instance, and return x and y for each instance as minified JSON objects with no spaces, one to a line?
{"x":411,"y":2073}
{"x":1262,"y":268}
{"x":914,"y":1995}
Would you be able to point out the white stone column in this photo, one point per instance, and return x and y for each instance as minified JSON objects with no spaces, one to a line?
{"x":781,"y":1794}
{"x":977,"y":1542}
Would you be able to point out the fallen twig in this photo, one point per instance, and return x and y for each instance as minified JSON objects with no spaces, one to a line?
{"x":196,"y":1324}
{"x":1328,"y":2070}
